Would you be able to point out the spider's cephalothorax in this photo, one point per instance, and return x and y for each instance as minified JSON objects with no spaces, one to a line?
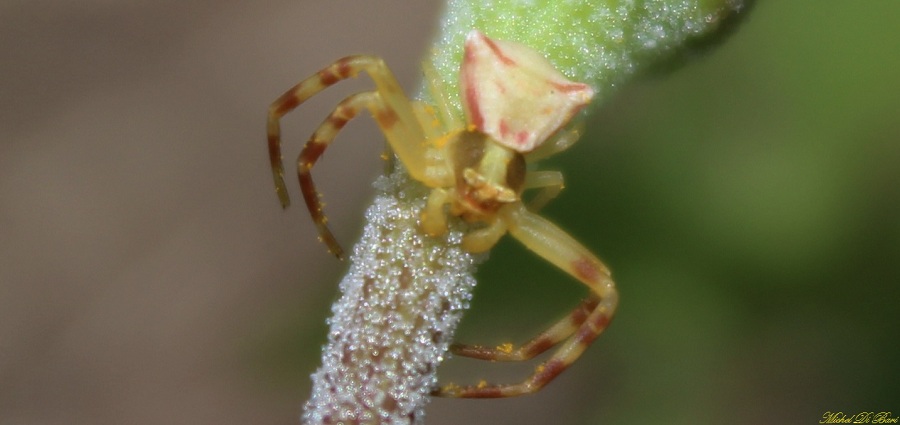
{"x":516,"y":105}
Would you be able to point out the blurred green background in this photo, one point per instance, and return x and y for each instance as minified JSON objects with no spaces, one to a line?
{"x":747,"y":204}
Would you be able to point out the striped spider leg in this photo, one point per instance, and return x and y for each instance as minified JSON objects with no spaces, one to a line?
{"x":574,"y":333}
{"x":516,"y":106}
{"x":397,"y":117}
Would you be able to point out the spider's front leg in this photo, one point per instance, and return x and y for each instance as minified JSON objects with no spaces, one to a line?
{"x":550,"y":182}
{"x":344,"y":112}
{"x":392,"y":110}
{"x":577,"y":331}
{"x":537,"y":345}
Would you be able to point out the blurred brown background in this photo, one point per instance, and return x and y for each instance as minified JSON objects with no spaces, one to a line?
{"x":145,"y":265}
{"x":748,"y":204}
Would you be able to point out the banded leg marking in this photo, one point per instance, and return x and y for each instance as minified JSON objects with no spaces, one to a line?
{"x":406,"y":139}
{"x":560,"y":249}
{"x":537,"y":345}
{"x":315,"y":147}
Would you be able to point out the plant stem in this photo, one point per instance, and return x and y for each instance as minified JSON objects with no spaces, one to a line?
{"x":400,"y":303}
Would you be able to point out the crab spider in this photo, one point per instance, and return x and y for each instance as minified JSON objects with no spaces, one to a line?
{"x":516,"y":106}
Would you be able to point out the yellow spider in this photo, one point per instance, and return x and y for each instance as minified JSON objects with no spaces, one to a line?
{"x":516,"y":105}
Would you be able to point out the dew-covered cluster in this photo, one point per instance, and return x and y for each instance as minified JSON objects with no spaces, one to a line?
{"x":399,"y":306}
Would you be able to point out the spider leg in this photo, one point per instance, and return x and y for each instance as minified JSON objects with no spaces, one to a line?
{"x":407,"y":139}
{"x":550,"y":182}
{"x":558,"y":143}
{"x":395,"y":114}
{"x":539,"y":344}
{"x":440,"y":97}
{"x":315,"y":147}
{"x":434,"y":219}
{"x":557,"y":247}
{"x":485,"y":238}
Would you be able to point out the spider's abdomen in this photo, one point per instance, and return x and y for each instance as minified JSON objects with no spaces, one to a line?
{"x":488,"y":174}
